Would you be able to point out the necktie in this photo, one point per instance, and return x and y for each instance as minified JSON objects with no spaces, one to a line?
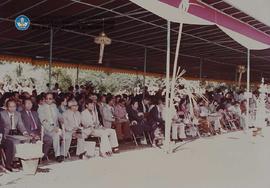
{"x":12,"y":122}
{"x":159,"y":113}
{"x":33,"y":123}
{"x":144,"y":108}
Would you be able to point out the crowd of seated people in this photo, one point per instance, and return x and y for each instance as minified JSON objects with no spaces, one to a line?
{"x":58,"y":117}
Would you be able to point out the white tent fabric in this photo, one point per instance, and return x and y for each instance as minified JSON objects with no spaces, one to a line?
{"x":259,"y":9}
{"x":243,"y":40}
{"x":181,"y":15}
{"x":170,"y":13}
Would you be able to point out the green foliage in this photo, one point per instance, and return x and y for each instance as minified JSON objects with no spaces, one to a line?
{"x":62,"y":77}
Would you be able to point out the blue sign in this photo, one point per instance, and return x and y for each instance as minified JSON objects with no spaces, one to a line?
{"x":22,"y":22}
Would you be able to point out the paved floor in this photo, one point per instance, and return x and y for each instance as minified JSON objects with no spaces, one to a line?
{"x":233,"y":160}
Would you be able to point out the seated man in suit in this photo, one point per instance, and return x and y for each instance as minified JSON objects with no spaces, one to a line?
{"x":92,"y":126}
{"x":144,"y":105}
{"x":108,"y":112}
{"x":155,"y":119}
{"x":32,"y":124}
{"x":50,"y":117}
{"x":11,"y":123}
{"x":72,"y":128}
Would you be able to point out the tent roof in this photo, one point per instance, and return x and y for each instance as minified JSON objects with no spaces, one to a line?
{"x":132,"y":30}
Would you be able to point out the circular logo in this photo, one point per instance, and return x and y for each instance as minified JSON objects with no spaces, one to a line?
{"x":22,"y":22}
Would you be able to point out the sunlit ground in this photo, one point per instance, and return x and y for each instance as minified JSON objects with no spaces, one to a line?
{"x":234,"y":160}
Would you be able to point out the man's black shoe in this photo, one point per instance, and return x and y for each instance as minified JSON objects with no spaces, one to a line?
{"x":9,"y":168}
{"x":59,"y":159}
{"x":81,"y":155}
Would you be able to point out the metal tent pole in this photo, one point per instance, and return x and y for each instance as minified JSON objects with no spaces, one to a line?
{"x":248,"y":86}
{"x":144,"y":70}
{"x":170,"y":106}
{"x":167,"y":126}
{"x":201,"y":64}
{"x":77,"y":75}
{"x":50,"y":60}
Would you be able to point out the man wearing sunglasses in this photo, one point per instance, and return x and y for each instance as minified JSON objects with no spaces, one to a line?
{"x":51,"y":119}
{"x":72,"y":128}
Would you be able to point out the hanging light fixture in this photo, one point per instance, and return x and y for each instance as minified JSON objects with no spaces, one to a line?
{"x":102,"y":40}
{"x":241,"y":69}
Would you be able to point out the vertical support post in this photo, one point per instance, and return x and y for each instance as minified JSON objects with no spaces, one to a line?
{"x":236,"y":75}
{"x":144,"y":70}
{"x":248,"y":86}
{"x":77,"y":75}
{"x":201,"y":64}
{"x":167,"y":126}
{"x":50,"y":60}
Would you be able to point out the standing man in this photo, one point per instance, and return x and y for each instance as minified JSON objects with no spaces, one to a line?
{"x":50,"y":118}
{"x":33,"y":126}
{"x":11,"y":124}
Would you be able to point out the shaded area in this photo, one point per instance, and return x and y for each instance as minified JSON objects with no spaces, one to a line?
{"x":132,"y":29}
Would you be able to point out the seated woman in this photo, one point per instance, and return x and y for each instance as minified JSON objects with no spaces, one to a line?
{"x":92,"y":126}
{"x":217,"y":119}
{"x":122,"y":123}
{"x":204,"y":125}
{"x":138,"y":125}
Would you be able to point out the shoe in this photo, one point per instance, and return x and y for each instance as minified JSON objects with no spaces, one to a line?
{"x":59,"y":159}
{"x":223,"y":131}
{"x":63,"y":157}
{"x":9,"y":168}
{"x":109,"y":154}
{"x":103,"y":155}
{"x":44,"y":159}
{"x":81,"y":155}
{"x":116,"y":150}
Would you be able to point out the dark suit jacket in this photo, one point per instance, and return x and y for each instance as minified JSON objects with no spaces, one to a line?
{"x":99,"y":115}
{"x":154,"y":117}
{"x":133,"y":115}
{"x":27,"y":121}
{"x":140,"y":107}
{"x":6,"y":124}
{"x":2,"y":131}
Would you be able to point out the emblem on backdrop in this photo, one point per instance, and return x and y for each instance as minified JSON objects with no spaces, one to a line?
{"x":22,"y":22}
